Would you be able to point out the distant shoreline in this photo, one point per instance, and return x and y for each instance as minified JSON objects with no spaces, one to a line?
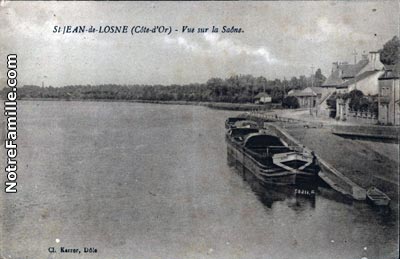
{"x":212,"y":105}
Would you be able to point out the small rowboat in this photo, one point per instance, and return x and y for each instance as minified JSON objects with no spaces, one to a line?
{"x":377,"y":197}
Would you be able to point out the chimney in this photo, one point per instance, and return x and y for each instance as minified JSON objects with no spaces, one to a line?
{"x":335,"y":66}
{"x":374,"y":60}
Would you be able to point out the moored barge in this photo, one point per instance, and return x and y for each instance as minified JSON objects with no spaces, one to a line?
{"x":269,"y":158}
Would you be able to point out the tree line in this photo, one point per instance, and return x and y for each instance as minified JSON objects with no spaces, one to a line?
{"x":235,"y":89}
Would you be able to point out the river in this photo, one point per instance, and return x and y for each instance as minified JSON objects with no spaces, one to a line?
{"x":152,"y":181}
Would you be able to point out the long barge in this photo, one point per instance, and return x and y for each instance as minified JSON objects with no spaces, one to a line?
{"x":269,"y":158}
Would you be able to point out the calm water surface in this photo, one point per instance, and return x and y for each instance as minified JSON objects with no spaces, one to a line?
{"x":152,"y":181}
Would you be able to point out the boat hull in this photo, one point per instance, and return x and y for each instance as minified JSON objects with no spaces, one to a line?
{"x":265,"y":174}
{"x":380,"y":202}
{"x":377,"y":197}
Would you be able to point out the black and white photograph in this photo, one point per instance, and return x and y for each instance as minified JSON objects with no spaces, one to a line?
{"x":200,"y":129}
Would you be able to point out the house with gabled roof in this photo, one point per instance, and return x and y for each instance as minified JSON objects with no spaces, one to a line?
{"x":341,"y":72}
{"x":309,"y":97}
{"x":362,"y":76}
{"x":262,"y":97}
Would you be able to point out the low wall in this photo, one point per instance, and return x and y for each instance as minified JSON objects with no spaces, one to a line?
{"x":361,"y":118}
{"x":257,"y":115}
{"x":367,"y":131}
{"x":242,"y":106}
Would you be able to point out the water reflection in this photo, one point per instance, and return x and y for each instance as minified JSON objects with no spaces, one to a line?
{"x":299,"y":197}
{"x":303,"y":196}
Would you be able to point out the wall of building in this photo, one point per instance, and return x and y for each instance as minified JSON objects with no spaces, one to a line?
{"x":307,"y":101}
{"x":265,"y":99}
{"x":342,"y":106}
{"x":341,"y":90}
{"x":323,"y":108}
{"x":389,"y":110}
{"x":368,"y":85}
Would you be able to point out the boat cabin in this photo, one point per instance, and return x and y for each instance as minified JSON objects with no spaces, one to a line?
{"x":232,"y":120}
{"x":262,"y":140}
{"x":246,"y":124}
{"x":239,"y":134}
{"x":264,"y":145}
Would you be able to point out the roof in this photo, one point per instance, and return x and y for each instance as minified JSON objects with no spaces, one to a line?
{"x":344,"y":71}
{"x":391,"y":72}
{"x":262,"y":94}
{"x":358,"y":78}
{"x":333,"y":79}
{"x":317,"y":90}
{"x":351,"y":70}
{"x":309,"y":91}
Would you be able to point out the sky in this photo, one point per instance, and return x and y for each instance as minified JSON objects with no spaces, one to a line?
{"x":280,"y":39}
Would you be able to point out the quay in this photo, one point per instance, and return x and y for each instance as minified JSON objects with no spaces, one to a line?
{"x":338,"y":168}
{"x":329,"y":174}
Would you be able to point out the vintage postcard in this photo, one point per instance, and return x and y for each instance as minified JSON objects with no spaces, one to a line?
{"x":196,"y":130}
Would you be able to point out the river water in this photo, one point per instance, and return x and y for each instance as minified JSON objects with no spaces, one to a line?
{"x":152,"y":181}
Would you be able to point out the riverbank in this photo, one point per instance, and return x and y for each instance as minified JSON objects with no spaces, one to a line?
{"x":354,"y":158}
{"x":361,"y":161}
{"x":212,"y":105}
